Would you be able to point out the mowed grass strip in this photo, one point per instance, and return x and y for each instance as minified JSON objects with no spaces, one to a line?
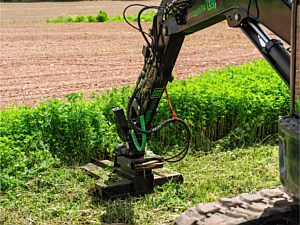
{"x":66,"y":195}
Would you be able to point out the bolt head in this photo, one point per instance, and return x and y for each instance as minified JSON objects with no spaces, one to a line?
{"x":237,"y":17}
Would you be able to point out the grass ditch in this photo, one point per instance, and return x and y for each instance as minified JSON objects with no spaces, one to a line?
{"x":102,"y":17}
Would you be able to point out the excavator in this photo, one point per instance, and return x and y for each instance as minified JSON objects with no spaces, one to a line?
{"x":173,"y":21}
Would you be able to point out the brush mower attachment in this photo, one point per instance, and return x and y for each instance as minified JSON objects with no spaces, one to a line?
{"x":132,"y":170}
{"x":122,"y":181}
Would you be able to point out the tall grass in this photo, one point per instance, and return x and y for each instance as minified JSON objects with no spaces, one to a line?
{"x":238,"y":106}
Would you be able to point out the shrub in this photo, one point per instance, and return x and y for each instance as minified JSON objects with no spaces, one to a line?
{"x":102,"y":16}
{"x":69,"y":19}
{"x":80,"y":18}
{"x":91,"y":19}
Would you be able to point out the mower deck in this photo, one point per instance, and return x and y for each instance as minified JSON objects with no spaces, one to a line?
{"x":111,"y":184}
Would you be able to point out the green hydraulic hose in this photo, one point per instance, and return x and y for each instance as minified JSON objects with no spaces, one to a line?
{"x":144,"y":137}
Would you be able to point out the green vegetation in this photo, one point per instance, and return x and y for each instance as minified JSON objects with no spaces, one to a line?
{"x":65,"y":195}
{"x":33,"y":139}
{"x":102,"y":17}
{"x":226,"y":109}
{"x":235,"y":107}
{"x":297,"y":105}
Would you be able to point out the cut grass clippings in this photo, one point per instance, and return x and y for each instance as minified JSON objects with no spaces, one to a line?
{"x":66,"y":195}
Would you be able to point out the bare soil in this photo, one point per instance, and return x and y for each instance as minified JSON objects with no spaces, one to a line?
{"x":40,"y":60}
{"x":39,"y":12}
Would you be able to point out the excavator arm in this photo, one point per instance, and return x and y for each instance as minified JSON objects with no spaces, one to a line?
{"x":172,"y":22}
{"x":178,"y":18}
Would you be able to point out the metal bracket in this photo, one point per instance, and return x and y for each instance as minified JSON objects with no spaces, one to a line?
{"x":235,"y":17}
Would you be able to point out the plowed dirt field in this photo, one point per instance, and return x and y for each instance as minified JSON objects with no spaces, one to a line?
{"x":40,"y":60}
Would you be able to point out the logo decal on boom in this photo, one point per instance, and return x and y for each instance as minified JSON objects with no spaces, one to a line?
{"x":157,"y":92}
{"x":211,"y":4}
{"x":207,"y":6}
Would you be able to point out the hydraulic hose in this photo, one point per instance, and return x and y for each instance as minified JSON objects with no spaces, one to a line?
{"x":142,"y":130}
{"x":144,"y":137}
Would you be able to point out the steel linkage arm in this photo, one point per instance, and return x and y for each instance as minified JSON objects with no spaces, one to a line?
{"x":160,"y":54}
{"x":247,"y":15}
{"x":178,"y":18}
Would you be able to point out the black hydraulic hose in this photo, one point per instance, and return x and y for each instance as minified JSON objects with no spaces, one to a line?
{"x":183,"y":152}
{"x":155,"y":37}
{"x":140,"y":25}
{"x":257,"y":9}
{"x":124,"y":14}
{"x":139,"y":28}
{"x":139,"y":19}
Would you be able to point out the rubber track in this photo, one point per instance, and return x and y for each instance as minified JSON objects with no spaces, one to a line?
{"x":243,"y":209}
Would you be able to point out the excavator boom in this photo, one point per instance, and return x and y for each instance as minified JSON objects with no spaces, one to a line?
{"x":173,"y":21}
{"x":176,"y":19}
